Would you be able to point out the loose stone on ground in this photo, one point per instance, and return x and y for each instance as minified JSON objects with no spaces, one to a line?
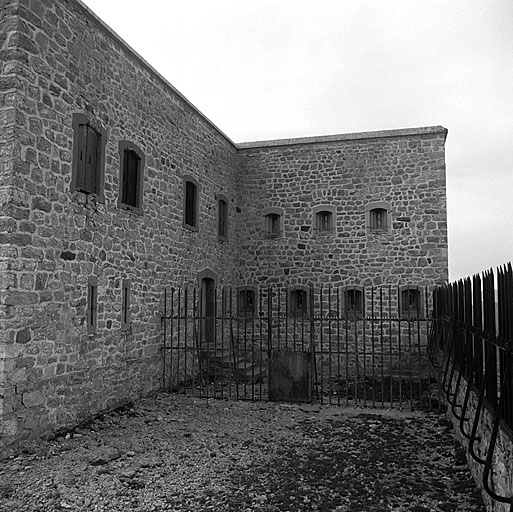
{"x":174,"y":453}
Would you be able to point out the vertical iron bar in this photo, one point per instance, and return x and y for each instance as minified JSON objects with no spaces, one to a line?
{"x":373,"y":347}
{"x":338,"y":345}
{"x":357,"y":363}
{"x":194,"y":338}
{"x":171,"y":341}
{"x":390,"y":345}
{"x":186,"y":321}
{"x":346,"y":328}
{"x":330,"y":383}
{"x":364,"y":339}
{"x":400,"y":312}
{"x":164,"y":347}
{"x":321,"y":342}
{"x":381,"y":341}
{"x":312,"y":344}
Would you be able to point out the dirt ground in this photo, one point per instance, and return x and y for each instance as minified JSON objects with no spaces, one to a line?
{"x":175,"y":453}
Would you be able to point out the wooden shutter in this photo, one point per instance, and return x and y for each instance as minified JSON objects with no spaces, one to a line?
{"x":91,"y":163}
{"x":81,"y":157}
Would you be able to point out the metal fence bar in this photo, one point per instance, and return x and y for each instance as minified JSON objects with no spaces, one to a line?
{"x":473,"y":330}
{"x":220,"y":348}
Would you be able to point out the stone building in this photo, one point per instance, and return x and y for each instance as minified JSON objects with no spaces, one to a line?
{"x":114,"y":186}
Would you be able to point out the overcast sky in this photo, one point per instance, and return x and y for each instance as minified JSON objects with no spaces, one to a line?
{"x":265,"y":69}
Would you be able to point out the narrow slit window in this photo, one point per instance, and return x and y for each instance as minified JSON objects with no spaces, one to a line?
{"x":125,"y":305}
{"x":92,"y":306}
{"x":222,"y":219}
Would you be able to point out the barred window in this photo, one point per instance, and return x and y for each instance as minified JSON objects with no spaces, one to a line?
{"x":324,"y":219}
{"x":272,"y":225}
{"x":246,"y":301}
{"x":353,"y":302}
{"x":410,"y":302}
{"x":298,"y":301}
{"x":378,"y":217}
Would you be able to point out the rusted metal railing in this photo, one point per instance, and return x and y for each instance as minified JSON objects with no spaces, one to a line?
{"x":471,"y":345}
{"x":353,"y":345}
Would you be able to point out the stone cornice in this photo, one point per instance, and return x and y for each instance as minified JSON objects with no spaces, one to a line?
{"x":381,"y":134}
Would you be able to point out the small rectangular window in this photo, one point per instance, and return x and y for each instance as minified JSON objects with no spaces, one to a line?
{"x":324,"y":222}
{"x":378,"y":219}
{"x":246,"y":302}
{"x":353,"y":303}
{"x":298,"y":303}
{"x":411,"y":303}
{"x":273,"y":225}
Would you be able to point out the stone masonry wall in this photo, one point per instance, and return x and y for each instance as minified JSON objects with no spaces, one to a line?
{"x":66,"y":61}
{"x":60,"y":60}
{"x":8,"y":234}
{"x":404,"y":168}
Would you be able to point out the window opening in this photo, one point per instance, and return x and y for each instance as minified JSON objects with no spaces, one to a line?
{"x":130,"y":183}
{"x":353,"y":303}
{"x":223,"y":219}
{"x":246,"y":301}
{"x":273,"y":224}
{"x":410,"y":303}
{"x":378,"y":219}
{"x":92,"y":305}
{"x":191,"y":200}
{"x":125,"y":305}
{"x":324,"y":222}
{"x":88,"y":161}
{"x":298,"y":303}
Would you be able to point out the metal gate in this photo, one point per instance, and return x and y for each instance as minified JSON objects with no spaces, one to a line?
{"x":338,"y":345}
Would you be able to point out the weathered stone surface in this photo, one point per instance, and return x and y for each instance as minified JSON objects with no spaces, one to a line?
{"x":23,"y":336}
{"x":54,"y":240}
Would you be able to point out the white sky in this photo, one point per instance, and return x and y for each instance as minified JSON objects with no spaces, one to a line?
{"x":265,"y":69}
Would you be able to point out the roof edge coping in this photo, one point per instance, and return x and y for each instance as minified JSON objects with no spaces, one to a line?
{"x":402,"y":132}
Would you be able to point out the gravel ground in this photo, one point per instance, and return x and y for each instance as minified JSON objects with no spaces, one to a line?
{"x":174,"y":453}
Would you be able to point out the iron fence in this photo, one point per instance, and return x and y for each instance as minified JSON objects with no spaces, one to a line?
{"x":338,"y":345}
{"x":471,"y":346}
